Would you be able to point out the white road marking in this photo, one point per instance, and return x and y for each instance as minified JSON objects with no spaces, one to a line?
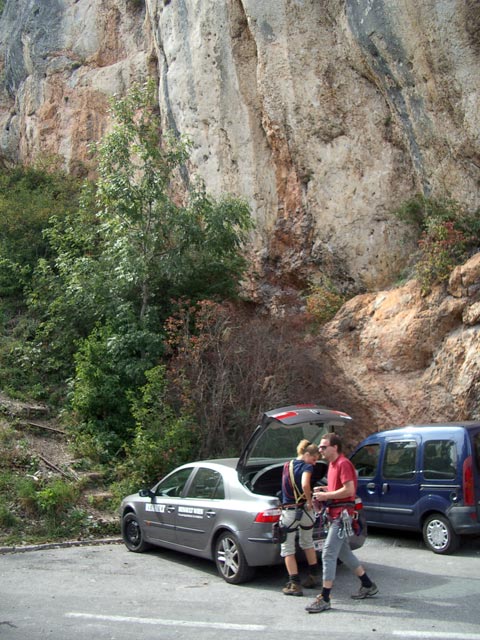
{"x":437,"y":635}
{"x":408,"y":634}
{"x":168,"y":623}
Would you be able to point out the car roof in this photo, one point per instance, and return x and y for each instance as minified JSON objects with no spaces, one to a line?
{"x":215,"y":462}
{"x":431,"y":427}
{"x":468,"y":424}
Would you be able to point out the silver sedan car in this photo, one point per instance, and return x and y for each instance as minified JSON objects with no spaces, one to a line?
{"x":224,"y":510}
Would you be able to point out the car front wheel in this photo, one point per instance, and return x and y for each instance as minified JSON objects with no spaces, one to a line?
{"x":230,"y":560}
{"x":132,"y":534}
{"x":438,"y":534}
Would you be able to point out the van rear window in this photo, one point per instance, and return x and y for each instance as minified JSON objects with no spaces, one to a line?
{"x":439,"y":460}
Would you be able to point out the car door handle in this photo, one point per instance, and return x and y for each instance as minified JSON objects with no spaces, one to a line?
{"x":210,"y":514}
{"x":170,"y":509}
{"x":371,"y":487}
{"x":385,"y":487}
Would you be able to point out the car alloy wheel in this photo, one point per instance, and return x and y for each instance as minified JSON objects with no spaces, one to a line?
{"x":230,"y":560}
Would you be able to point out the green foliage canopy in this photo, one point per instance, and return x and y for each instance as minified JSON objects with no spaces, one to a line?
{"x":162,"y":237}
{"x":29,"y":197}
{"x":105,"y":266}
{"x":448,"y":233}
{"x":142,"y":236}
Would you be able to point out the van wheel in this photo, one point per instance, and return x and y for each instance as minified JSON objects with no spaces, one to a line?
{"x":438,"y":534}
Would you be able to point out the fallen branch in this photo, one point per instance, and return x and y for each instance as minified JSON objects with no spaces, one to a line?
{"x":55,"y":468}
{"x":29,"y":423}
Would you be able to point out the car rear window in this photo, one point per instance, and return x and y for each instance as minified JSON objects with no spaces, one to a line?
{"x":207,"y":485}
{"x":439,"y":460}
{"x":279,"y":442}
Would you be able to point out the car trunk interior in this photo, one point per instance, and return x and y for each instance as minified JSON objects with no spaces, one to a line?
{"x":268,"y":481}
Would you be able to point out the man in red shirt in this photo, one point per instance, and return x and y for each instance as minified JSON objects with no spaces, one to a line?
{"x":339,"y":495}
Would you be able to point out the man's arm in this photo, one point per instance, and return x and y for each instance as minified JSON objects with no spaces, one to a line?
{"x":347,"y":491}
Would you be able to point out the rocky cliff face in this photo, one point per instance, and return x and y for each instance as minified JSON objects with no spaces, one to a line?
{"x":324,"y":115}
{"x":398,"y":357}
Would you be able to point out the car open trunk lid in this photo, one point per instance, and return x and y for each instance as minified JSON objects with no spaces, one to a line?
{"x":275,"y":441}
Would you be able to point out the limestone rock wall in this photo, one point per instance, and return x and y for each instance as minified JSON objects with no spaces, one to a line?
{"x":325,"y":115}
{"x":61,"y":60}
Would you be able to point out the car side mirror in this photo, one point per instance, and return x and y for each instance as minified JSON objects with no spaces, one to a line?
{"x":146,"y":493}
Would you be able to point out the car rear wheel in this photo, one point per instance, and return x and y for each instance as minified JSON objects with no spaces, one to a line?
{"x":438,"y":534}
{"x":230,"y":560}
{"x":132,"y":534}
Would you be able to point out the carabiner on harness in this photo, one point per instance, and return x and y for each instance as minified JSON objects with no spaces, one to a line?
{"x":345,"y":530}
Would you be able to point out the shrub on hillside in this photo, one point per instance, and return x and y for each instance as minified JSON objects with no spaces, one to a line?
{"x":448,"y":232}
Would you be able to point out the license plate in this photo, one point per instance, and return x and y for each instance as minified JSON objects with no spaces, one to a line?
{"x":318,"y":544}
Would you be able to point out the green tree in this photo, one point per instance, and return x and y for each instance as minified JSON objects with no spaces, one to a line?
{"x":109,"y":263}
{"x":157,"y":237}
{"x":163,"y":237}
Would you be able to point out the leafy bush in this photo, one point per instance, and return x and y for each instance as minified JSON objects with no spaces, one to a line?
{"x":29,"y":196}
{"x":448,"y":232}
{"x":26,"y":490}
{"x":109,"y":366}
{"x":162,"y":439}
{"x":8,"y":519}
{"x":323,"y":301}
{"x":55,"y":500}
{"x":442,"y":248}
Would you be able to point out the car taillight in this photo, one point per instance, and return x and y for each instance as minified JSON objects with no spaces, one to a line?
{"x":358,"y":504}
{"x":468,"y":486}
{"x":270,"y":515}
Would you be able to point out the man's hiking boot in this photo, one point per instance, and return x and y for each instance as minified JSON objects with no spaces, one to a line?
{"x":292,"y":589}
{"x":311,"y":582}
{"x":318,"y":605}
{"x":365,"y":592}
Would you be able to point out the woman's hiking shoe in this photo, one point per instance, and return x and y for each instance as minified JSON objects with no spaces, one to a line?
{"x":365,"y":592}
{"x":318,"y":605}
{"x":292,"y":589}
{"x":311,"y":582}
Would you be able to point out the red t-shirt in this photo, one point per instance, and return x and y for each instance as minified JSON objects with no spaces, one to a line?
{"x":341,"y":471}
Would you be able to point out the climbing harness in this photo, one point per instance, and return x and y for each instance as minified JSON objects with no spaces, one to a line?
{"x":280,"y":532}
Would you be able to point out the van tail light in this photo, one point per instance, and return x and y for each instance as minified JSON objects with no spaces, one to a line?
{"x":358,"y":504}
{"x":468,"y":485}
{"x":270,"y":515}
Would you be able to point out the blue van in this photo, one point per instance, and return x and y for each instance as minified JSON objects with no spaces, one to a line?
{"x":423,"y":478}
